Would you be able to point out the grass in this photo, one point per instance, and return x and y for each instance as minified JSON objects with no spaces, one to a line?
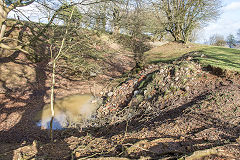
{"x":170,"y":51}
{"x":225,"y":58}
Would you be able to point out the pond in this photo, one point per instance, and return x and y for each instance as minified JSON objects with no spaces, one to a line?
{"x":68,"y":111}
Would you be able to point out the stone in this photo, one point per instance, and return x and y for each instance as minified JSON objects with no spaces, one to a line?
{"x":177,"y":78}
{"x":93,"y":74}
{"x":187,"y":88}
{"x":135,"y":93}
{"x":110,"y":94}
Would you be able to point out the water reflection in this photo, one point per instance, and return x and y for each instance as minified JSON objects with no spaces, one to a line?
{"x":70,"y":110}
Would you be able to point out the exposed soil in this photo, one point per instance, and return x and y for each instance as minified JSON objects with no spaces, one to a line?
{"x":167,"y":111}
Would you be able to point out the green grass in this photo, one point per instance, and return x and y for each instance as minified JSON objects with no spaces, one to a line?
{"x":225,"y":58}
{"x":222,"y":57}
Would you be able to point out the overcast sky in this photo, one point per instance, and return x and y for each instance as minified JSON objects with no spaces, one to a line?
{"x":228,"y":22}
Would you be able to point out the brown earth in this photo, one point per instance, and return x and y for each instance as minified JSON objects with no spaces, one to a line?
{"x":166,"y":111}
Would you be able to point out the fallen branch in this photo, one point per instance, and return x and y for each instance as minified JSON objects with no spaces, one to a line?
{"x":15,"y":48}
{"x":201,"y":154}
{"x":204,"y":153}
{"x":158,"y":154}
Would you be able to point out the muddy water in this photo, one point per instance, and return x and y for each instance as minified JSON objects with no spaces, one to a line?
{"x":70,"y":110}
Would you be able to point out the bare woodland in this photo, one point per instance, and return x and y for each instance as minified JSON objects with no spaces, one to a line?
{"x":82,"y":42}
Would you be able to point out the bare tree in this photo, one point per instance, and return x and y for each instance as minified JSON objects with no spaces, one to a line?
{"x":183,"y":16}
{"x":231,"y":41}
{"x":238,"y":34}
{"x":5,"y":8}
{"x":217,"y":40}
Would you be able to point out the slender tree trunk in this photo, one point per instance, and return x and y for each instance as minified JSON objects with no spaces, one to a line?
{"x":3,"y":18}
{"x":53,"y":74}
{"x":52,"y":98}
{"x":3,"y":28}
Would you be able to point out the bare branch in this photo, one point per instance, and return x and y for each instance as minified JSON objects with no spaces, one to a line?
{"x":15,"y":48}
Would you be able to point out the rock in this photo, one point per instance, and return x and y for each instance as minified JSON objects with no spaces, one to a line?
{"x":135,"y":92}
{"x":93,"y":74}
{"x":145,"y":92}
{"x":189,"y":58}
{"x":77,"y":154}
{"x":187,"y":88}
{"x":177,"y":78}
{"x":110,"y":94}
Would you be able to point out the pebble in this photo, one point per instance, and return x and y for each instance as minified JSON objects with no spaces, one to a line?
{"x":93,"y":74}
{"x":187,"y":88}
{"x":110,"y":94}
{"x":135,"y":92}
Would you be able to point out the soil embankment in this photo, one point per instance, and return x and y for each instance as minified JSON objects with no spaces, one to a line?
{"x":164,"y":111}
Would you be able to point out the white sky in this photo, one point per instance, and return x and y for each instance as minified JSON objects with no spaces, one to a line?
{"x":33,"y":12}
{"x":228,"y":22}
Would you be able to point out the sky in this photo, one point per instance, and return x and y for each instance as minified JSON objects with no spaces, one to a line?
{"x":228,"y":22}
{"x":32,"y":12}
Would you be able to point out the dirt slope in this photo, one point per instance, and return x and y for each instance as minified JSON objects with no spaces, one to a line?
{"x":165,"y":111}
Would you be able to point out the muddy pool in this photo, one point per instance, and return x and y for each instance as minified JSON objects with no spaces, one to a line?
{"x":68,"y":111}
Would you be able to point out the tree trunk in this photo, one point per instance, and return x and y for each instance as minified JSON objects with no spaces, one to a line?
{"x":3,"y":27}
{"x":3,"y":18}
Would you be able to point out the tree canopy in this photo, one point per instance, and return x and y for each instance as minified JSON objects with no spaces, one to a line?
{"x":181,"y":17}
{"x":231,"y":41}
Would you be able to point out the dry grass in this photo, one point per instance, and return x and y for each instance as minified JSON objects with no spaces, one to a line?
{"x":170,"y":51}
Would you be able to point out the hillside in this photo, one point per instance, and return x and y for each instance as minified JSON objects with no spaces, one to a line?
{"x":222,"y":57}
{"x":184,"y":104}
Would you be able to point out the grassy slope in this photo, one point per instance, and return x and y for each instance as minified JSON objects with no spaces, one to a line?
{"x":222,"y":57}
{"x":225,"y":58}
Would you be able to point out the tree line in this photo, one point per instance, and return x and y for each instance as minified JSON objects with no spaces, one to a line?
{"x":179,"y":18}
{"x":231,"y":41}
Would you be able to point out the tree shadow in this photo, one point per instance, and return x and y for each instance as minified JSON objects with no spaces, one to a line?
{"x":32,"y":100}
{"x":19,"y":105}
{"x":174,"y":146}
{"x":23,"y":130}
{"x":162,"y":117}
